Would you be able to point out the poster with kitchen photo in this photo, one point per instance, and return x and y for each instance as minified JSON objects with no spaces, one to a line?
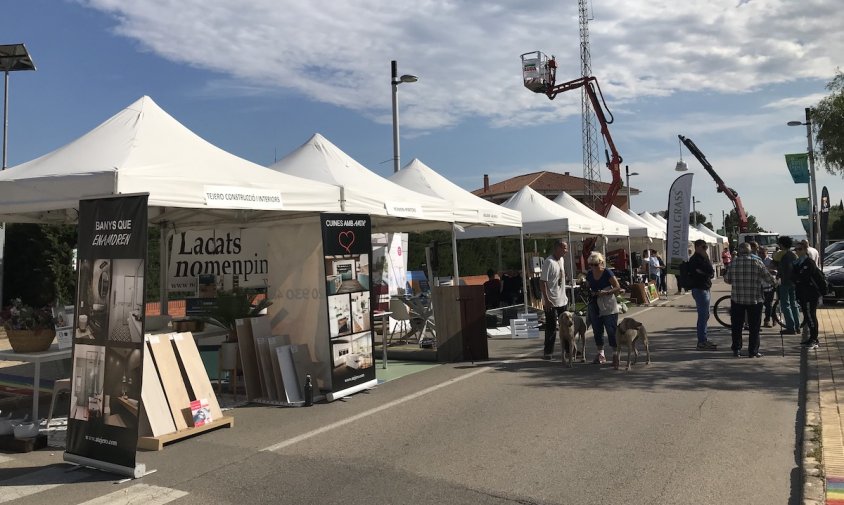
{"x":108,"y":348}
{"x":347,"y":249}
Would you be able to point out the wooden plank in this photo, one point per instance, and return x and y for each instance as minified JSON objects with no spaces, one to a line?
{"x":288,"y":373}
{"x":261,"y":329}
{"x":264,"y":357}
{"x":171,"y":379}
{"x":157,"y":443}
{"x":273,"y":344}
{"x":304,"y":366}
{"x":196,"y":373}
{"x":248,"y":359}
{"x":155,"y":412}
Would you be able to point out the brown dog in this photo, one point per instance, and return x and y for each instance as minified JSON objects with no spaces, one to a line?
{"x":571,"y":329}
{"x":627,"y":333}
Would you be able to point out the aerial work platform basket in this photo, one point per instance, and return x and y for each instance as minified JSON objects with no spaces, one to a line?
{"x":536,"y":72}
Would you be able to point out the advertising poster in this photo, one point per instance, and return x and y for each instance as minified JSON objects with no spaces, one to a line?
{"x":824,"y":222}
{"x":105,"y":391}
{"x":798,"y":167}
{"x":347,"y":246}
{"x":677,"y":238}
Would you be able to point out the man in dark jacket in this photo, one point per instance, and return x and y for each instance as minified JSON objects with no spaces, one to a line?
{"x":810,"y":285}
{"x":784,"y":260}
{"x":701,"y":273}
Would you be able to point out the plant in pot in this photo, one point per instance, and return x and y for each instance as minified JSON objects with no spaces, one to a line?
{"x":231,"y":306}
{"x":30,"y":329}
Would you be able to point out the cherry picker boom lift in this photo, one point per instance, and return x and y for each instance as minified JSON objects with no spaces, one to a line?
{"x":721,"y":187}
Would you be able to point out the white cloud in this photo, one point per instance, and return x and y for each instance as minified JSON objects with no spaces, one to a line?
{"x":467,"y":53}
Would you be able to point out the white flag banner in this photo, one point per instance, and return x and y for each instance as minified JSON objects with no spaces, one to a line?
{"x":677,"y":233}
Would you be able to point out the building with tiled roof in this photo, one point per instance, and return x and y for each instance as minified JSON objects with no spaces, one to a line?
{"x":549,"y":184}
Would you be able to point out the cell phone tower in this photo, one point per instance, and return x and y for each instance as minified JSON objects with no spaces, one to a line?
{"x":591,"y":168}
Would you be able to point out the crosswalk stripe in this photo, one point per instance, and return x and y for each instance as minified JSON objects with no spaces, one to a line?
{"x":139,"y":493}
{"x":29,"y":484}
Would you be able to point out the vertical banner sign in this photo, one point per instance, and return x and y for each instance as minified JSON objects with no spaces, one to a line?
{"x":105,"y":395}
{"x":677,"y":232}
{"x":347,"y":246}
{"x":824,"y":221}
{"x":803,"y":207}
{"x":798,"y":167}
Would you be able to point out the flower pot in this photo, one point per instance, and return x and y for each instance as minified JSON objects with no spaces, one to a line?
{"x":31,"y":340}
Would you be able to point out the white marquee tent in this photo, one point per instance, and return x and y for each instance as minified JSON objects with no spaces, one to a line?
{"x":142,"y":149}
{"x":609,"y":227}
{"x":637,"y":228}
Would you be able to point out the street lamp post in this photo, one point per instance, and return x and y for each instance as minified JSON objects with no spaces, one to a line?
{"x":813,"y":189}
{"x":694,"y":210}
{"x":395,"y":81}
{"x":629,"y":248}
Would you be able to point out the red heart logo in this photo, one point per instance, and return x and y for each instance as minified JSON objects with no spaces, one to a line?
{"x":346,"y":239}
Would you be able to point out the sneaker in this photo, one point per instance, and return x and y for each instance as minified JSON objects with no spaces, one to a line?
{"x":600,"y":359}
{"x":811,"y":343}
{"x":767,"y":323}
{"x":706,"y":345}
{"x":755,"y":355}
{"x":736,"y":354}
{"x":546,"y":356}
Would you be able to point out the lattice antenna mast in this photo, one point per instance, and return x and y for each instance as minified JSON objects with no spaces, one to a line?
{"x":591,"y":165}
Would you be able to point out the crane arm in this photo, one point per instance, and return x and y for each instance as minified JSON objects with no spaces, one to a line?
{"x":720,"y":185}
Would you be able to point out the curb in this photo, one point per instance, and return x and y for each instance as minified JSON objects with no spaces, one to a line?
{"x":811,"y":448}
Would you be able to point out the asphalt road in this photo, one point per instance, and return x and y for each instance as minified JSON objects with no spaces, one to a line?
{"x":692,"y":427}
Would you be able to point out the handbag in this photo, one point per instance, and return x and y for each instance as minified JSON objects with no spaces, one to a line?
{"x":607,"y":305}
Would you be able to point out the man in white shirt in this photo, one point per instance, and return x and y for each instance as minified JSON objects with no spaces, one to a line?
{"x":554,"y":299}
{"x":811,"y":252}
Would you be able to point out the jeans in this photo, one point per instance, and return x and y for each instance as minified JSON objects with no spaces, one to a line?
{"x":788,"y":302}
{"x":551,"y":317}
{"x":739,"y":313}
{"x":810,"y":316}
{"x":601,"y":323}
{"x":702,"y":298}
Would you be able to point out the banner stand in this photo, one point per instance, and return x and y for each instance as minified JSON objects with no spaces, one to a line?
{"x":134,"y":473}
{"x":352,"y":390}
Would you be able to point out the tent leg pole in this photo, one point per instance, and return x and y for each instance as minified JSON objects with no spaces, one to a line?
{"x":454,"y":255}
{"x":524,"y":269}
{"x":571,"y":271}
{"x":162,"y":267}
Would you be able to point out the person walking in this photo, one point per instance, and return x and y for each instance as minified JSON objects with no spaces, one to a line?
{"x":603,"y":308}
{"x":552,"y":280}
{"x":492,"y":291}
{"x":745,"y":276}
{"x":701,"y":273}
{"x":810,"y":286}
{"x":784,"y":260}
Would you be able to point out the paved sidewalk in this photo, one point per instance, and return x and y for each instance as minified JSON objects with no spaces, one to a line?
{"x":826,"y":391}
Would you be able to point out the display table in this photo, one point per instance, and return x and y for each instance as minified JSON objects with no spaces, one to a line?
{"x":52,"y":354}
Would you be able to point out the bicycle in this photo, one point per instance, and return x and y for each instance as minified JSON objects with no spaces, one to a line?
{"x":721,"y":311}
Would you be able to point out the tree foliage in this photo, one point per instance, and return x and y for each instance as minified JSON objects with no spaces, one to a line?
{"x":828,"y":126}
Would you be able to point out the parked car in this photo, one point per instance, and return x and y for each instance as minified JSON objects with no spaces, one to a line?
{"x":834,"y":265}
{"x":829,"y":258}
{"x":835,"y":286}
{"x":835,"y":246}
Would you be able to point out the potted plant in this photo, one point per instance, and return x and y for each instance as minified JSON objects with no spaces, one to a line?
{"x":231,"y":306}
{"x":30,"y":329}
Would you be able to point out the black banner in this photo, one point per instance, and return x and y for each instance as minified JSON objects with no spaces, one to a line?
{"x":108,"y":347}
{"x":347,"y":246}
{"x":824,"y":221}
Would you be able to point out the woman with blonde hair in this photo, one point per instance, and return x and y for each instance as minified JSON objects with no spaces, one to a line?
{"x":603,"y":308}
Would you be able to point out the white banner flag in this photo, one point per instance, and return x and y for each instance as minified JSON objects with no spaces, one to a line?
{"x":677,"y":233}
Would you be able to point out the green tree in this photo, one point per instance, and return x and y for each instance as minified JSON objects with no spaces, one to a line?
{"x":828,"y":126}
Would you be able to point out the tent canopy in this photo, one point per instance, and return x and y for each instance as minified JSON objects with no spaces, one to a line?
{"x":142,"y":149}
{"x":609,"y":227}
{"x":540,"y":216}
{"x":653,"y":226}
{"x":636,"y":227}
{"x":467,"y":208}
{"x":392,"y":207}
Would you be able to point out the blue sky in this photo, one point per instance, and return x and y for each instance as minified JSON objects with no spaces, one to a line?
{"x":258,"y":77}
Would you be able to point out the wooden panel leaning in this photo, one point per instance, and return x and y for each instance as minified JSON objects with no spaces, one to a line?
{"x":156,"y":418}
{"x":196,"y":373}
{"x":248,"y":359}
{"x":171,"y":379}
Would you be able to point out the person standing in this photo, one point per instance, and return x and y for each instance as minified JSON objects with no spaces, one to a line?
{"x":767,"y":289}
{"x":784,"y":260}
{"x":811,"y":252}
{"x":663,"y":274}
{"x":810,"y":285}
{"x":552,"y":281}
{"x":492,"y":291}
{"x":701,"y":273}
{"x":726,"y":258}
{"x":602,"y":284}
{"x":745,"y":276}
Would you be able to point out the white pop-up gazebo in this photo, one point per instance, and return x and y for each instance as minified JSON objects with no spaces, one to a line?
{"x":142,"y":149}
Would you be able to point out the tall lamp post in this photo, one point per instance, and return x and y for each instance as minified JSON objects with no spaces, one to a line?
{"x":627,"y":174}
{"x":813,"y":189}
{"x":695,"y":201}
{"x":13,"y":58}
{"x":395,"y":81}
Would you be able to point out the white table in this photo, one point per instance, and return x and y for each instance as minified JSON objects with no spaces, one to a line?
{"x":52,"y":354}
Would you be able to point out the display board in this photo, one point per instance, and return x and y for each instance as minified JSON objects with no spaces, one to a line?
{"x":347,"y":246}
{"x":108,"y":346}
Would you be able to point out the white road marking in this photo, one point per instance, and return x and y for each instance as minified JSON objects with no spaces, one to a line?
{"x":31,"y":483}
{"x":139,"y":493}
{"x":4,"y":459}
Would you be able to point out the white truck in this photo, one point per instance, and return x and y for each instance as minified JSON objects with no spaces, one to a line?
{"x":765,"y":239}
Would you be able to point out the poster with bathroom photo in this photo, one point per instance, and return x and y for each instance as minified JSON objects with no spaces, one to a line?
{"x":347,"y":247}
{"x":107,"y":352}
